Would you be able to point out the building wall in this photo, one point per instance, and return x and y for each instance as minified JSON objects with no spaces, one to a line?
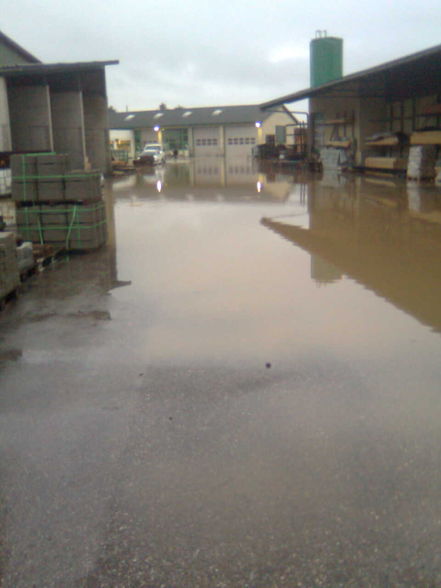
{"x":10,"y":57}
{"x":5,"y":131}
{"x":68,"y":126}
{"x":30,"y":118}
{"x":207,"y":141}
{"x":148,"y":136}
{"x":122,"y":139}
{"x":96,"y":131}
{"x":276,"y":119}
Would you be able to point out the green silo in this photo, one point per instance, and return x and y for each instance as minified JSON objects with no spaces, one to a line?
{"x":326,"y":59}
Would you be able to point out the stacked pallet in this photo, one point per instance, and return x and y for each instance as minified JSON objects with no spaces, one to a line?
{"x":56,"y":206}
{"x":9,"y":274}
{"x":421,"y":163}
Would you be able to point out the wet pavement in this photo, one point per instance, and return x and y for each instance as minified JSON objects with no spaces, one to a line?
{"x":243,"y":390}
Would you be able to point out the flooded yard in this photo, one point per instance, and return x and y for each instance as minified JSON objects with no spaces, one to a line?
{"x":243,"y":390}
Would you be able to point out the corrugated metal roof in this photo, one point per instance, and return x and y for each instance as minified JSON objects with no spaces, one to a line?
{"x":185,"y":117}
{"x":402,"y":68}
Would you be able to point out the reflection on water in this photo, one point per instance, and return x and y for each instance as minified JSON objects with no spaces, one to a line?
{"x":232,"y":180}
{"x":381,"y":232}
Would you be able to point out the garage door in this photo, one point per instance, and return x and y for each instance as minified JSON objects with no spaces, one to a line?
{"x":206,"y":141}
{"x":240,"y":140}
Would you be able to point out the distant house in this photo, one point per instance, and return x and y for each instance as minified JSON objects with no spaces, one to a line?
{"x":53,"y":107}
{"x":208,"y":131}
{"x":373,"y":115}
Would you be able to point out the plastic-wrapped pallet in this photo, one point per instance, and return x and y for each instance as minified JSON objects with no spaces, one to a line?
{"x":79,"y":226}
{"x":9,"y":274}
{"x":421,"y":162}
{"x":83,"y":185}
{"x":38,"y":177}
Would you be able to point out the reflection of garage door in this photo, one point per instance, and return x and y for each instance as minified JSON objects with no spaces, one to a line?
{"x":240,"y":140}
{"x":206,"y":141}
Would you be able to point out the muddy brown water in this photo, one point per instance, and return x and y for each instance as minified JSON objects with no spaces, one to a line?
{"x":243,"y":390}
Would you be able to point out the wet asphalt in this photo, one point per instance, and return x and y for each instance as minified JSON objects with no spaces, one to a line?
{"x":217,"y":400}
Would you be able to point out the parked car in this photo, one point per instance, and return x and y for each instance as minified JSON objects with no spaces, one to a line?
{"x":152,"y":154}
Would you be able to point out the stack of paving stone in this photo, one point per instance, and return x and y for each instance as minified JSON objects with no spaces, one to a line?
{"x":56,"y":206}
{"x":421,"y":162}
{"x":9,"y":274}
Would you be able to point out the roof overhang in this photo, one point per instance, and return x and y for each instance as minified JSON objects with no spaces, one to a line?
{"x":52,"y":68}
{"x":401,"y":78}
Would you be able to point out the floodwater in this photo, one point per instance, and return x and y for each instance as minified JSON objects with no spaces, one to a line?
{"x":243,"y":390}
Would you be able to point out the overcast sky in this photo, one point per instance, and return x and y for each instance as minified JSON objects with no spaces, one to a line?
{"x":206,"y":52}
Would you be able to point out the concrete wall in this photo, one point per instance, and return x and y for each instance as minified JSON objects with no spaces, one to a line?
{"x":96,"y":131}
{"x":5,"y":131}
{"x":30,"y":118}
{"x":68,"y":126}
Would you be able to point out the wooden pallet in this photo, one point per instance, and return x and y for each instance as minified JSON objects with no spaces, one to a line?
{"x":46,"y":254}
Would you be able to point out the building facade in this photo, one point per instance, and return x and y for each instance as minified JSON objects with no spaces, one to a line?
{"x":58,"y":107}
{"x":373,"y":116}
{"x":201,"y":132}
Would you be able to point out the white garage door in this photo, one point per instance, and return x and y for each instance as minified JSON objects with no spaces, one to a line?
{"x":206,"y":141}
{"x":240,"y":140}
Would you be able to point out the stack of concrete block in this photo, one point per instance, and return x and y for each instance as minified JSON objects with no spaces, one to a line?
{"x":57,"y":206}
{"x":421,"y":162}
{"x":46,"y":178}
{"x":77,"y":227}
{"x":9,"y":274}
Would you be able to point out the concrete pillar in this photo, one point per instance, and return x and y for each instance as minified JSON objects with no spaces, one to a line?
{"x":5,"y":129}
{"x":30,"y":118}
{"x":68,"y":126}
{"x":96,"y":131}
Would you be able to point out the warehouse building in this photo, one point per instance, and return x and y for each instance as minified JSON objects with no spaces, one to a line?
{"x":369,"y":119}
{"x":58,"y":107}
{"x":208,"y":131}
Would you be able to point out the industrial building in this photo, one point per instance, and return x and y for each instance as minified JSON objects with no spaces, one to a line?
{"x":59,"y":107}
{"x":371,"y":118}
{"x":230,"y":131}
